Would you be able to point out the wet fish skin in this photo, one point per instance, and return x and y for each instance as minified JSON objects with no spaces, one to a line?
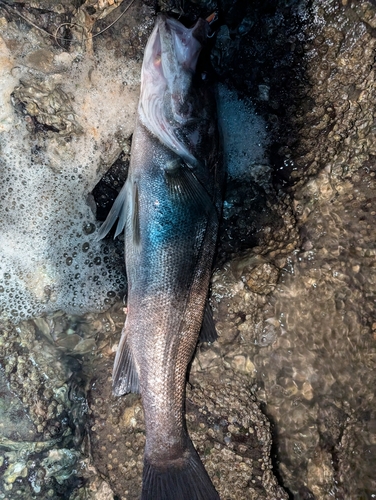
{"x":170,"y":207}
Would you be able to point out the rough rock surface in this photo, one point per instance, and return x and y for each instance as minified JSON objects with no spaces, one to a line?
{"x":311,"y":340}
{"x":294,"y":288}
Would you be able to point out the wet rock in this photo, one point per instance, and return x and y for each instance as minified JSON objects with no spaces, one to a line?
{"x":320,"y":474}
{"x":15,"y":422}
{"x":259,"y":276}
{"x":56,"y":139}
{"x":355,"y":476}
{"x":228,"y":426}
{"x":224,"y":50}
{"x":309,"y":340}
{"x":44,"y":420}
{"x":48,"y":105}
{"x":40,"y":59}
{"x":293,"y":290}
{"x":253,"y":218}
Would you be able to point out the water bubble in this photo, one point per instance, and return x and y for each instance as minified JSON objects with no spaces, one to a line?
{"x":88,"y":228}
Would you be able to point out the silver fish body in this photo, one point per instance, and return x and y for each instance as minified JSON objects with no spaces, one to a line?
{"x":170,"y":207}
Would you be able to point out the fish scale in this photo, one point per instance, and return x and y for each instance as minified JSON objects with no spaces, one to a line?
{"x":170,"y":207}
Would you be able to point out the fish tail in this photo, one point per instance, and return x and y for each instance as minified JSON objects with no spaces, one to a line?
{"x":186,"y":481}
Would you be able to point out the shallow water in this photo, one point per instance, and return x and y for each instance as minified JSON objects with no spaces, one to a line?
{"x":318,"y":376}
{"x":309,"y":341}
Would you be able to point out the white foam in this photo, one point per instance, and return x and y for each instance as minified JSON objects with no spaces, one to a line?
{"x":245,"y":136}
{"x":48,"y":257}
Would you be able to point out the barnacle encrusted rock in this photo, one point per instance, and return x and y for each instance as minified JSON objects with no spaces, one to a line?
{"x":48,"y":104}
{"x":42,"y":415}
{"x":311,"y":340}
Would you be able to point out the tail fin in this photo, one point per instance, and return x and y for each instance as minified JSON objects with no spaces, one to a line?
{"x":189,"y":481}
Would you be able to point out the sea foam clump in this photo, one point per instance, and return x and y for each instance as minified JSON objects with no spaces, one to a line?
{"x":60,"y":129}
{"x":245,"y":137}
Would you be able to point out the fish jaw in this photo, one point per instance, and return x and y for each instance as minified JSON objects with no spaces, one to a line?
{"x":168,"y":103}
{"x":170,"y":59}
{"x":180,"y":49}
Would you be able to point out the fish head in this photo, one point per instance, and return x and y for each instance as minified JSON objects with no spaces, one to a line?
{"x":168,"y":100}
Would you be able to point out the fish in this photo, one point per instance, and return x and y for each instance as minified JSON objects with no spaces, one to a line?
{"x":169,"y":208}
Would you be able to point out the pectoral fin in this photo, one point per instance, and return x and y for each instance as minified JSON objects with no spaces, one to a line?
{"x":124,"y":374}
{"x":118,"y":211}
{"x":184,"y":186}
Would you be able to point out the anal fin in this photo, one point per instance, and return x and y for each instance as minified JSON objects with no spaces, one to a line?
{"x":124,"y":374}
{"x":208,"y":332}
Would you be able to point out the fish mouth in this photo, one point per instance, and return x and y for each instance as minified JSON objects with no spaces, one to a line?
{"x":172,"y":52}
{"x":180,"y":46}
{"x":180,"y":49}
